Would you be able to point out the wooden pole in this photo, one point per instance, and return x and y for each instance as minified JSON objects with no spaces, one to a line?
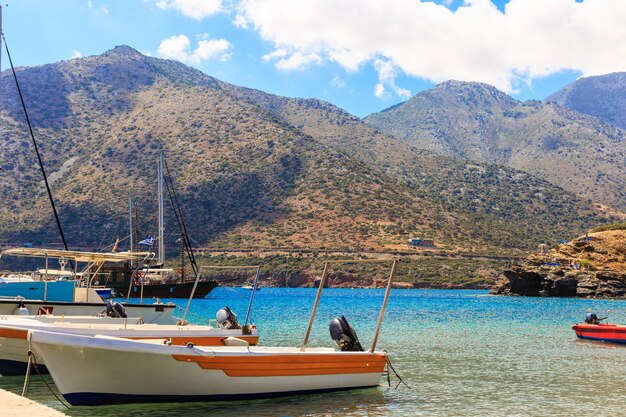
{"x":256,"y":280}
{"x":317,"y":300}
{"x":382,"y":310}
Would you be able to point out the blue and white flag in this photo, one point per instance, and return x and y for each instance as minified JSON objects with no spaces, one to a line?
{"x":147,"y":242}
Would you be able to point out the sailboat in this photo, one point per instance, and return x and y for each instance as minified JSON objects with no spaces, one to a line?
{"x":150,"y":280}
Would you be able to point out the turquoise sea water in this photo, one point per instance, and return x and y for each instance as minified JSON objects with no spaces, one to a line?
{"x":463,"y":353}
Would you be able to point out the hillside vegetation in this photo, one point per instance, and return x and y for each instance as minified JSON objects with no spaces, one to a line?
{"x":252,"y":169}
{"x":477,"y":122}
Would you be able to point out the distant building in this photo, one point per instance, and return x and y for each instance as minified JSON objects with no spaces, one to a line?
{"x":418,"y":241}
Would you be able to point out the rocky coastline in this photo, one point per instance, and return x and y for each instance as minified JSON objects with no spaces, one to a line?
{"x":590,"y":266}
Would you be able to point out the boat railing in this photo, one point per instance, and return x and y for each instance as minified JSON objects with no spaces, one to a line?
{"x":195,"y":284}
{"x":322,"y":283}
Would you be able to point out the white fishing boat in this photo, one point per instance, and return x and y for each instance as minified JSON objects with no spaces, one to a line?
{"x":104,"y":370}
{"x":94,"y":370}
{"x":14,"y":330}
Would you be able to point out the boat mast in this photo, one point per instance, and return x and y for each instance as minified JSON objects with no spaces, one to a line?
{"x":161,"y":227}
{"x":130,"y":219}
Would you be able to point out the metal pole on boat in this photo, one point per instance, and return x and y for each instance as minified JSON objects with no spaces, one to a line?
{"x":193,"y":291}
{"x":256,"y":279}
{"x":317,"y":300}
{"x":130,"y":220}
{"x":382,"y":310}
{"x":161,"y":223}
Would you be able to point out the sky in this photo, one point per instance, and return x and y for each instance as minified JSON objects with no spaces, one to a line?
{"x":361,"y":55}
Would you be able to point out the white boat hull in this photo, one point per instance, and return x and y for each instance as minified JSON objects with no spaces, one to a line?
{"x":14,"y":331}
{"x":150,"y":313}
{"x":96,"y":370}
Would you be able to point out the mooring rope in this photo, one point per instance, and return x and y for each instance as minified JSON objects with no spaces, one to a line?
{"x":32,"y":360}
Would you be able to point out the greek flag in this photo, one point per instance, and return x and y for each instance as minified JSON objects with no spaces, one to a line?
{"x":147,"y":242}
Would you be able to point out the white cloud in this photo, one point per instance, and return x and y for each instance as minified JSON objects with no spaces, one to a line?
{"x":240,"y":22}
{"x":179,"y":48}
{"x":338,"y":82}
{"x":477,"y":42}
{"x":195,"y":9}
{"x":103,"y":8}
{"x":298,"y":60}
{"x":76,"y":54}
{"x":279,"y":53}
{"x":387,"y":77}
{"x":290,"y":61}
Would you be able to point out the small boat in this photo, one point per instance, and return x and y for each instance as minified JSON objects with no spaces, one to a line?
{"x":96,"y":370}
{"x":122,"y":370}
{"x":614,"y":333}
{"x":250,"y":288}
{"x":14,"y":331}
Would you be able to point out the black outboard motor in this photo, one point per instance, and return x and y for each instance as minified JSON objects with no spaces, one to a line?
{"x":115,"y":309}
{"x":227,"y":319}
{"x":344,"y":335}
{"x":591,"y":318}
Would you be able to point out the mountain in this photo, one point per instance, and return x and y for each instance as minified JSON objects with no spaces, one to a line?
{"x":252,"y":169}
{"x":477,"y":122}
{"x":602,"y":96}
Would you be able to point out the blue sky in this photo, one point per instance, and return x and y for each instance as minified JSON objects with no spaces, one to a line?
{"x":362,"y":55}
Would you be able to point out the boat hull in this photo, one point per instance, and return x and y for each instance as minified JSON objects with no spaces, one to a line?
{"x":14,"y":343}
{"x":156,"y":373}
{"x":165,"y":290}
{"x":612,"y":333}
{"x":159,"y":313}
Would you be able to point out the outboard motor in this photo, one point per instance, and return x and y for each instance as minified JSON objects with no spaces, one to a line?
{"x":591,"y":318}
{"x":344,"y":335}
{"x":115,"y":309}
{"x":227,"y":319}
{"x":21,"y":309}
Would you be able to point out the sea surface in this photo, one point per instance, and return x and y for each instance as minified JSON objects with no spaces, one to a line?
{"x":461,"y":353}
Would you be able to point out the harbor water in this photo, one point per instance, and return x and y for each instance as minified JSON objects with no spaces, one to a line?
{"x":461,"y":353}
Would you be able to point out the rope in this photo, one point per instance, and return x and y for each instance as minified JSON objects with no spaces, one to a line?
{"x":32,"y":360}
{"x":390,"y":366}
{"x":32,"y":355}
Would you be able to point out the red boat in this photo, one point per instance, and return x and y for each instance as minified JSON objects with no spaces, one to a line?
{"x":614,"y":333}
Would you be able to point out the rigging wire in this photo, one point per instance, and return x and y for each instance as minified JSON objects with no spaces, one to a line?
{"x":32,"y":135}
{"x":178,"y":212}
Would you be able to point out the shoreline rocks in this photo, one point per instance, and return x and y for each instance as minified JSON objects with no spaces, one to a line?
{"x":560,"y":282}
{"x":590,"y":266}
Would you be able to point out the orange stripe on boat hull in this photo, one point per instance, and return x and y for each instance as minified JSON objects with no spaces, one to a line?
{"x":289,"y":365}
{"x":13,"y":334}
{"x":200,"y":340}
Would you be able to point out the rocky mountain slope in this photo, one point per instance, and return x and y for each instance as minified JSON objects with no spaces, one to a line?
{"x":477,"y":122}
{"x":253,"y":170}
{"x":593,"y":265}
{"x":602,"y":96}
